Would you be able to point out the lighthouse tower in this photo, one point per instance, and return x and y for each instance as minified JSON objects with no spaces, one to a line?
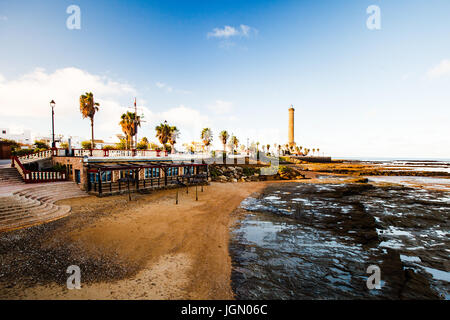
{"x":291,"y":126}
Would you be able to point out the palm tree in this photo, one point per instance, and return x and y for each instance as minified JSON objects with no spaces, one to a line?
{"x":318,"y":152}
{"x":88,"y":108}
{"x":129,"y":123}
{"x":206,"y":136}
{"x":268,"y":147}
{"x":224,"y":137}
{"x":234,"y":142}
{"x":163,"y":133}
{"x":174,"y":134}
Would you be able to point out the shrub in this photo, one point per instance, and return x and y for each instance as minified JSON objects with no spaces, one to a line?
{"x":86,"y":145}
{"x":122,"y":145}
{"x":250,"y":171}
{"x":142,"y":146}
{"x":21,"y":152}
{"x":284,"y":170}
{"x":39,"y":144}
{"x":59,"y":167}
{"x":214,"y":172}
{"x":109,"y":147}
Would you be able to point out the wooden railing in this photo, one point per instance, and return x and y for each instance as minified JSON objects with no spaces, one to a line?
{"x":36,"y":176}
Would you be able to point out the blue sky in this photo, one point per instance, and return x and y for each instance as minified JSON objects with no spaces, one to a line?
{"x":357,"y":92}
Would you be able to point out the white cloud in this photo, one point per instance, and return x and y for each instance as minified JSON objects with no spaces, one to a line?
{"x":25,"y":100}
{"x":221,"y":107}
{"x":229,"y":31}
{"x":3,"y":18}
{"x":188,"y":120}
{"x":442,"y":69}
{"x":164,"y":86}
{"x":169,"y":89}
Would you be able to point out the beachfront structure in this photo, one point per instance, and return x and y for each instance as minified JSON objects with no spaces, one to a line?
{"x":291,"y":127}
{"x":101,"y":171}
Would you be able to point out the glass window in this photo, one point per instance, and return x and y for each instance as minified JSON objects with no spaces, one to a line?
{"x":106,"y":176}
{"x":125,"y":173}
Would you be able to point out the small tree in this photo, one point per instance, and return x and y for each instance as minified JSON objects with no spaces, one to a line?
{"x":87,"y":144}
{"x":122,"y":145}
{"x":234,"y":142}
{"x":206,"y":137}
{"x":88,"y":108}
{"x":143,"y":144}
{"x":64,"y":145}
{"x":41,"y":145}
{"x":224,"y":138}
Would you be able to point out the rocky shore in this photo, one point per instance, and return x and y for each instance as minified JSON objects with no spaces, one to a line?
{"x":247,"y":174}
{"x":315,"y":241}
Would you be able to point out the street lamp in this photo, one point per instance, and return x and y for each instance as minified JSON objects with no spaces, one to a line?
{"x":52,"y":104}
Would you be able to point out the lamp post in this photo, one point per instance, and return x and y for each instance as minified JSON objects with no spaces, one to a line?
{"x":52,"y":104}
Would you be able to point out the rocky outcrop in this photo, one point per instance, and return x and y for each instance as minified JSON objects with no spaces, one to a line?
{"x":245,"y":174}
{"x":234,"y":174}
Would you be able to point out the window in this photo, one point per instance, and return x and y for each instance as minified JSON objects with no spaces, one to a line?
{"x":106,"y":176}
{"x":4,"y":131}
{"x":126,"y":173}
{"x":151,"y":173}
{"x":188,"y":170}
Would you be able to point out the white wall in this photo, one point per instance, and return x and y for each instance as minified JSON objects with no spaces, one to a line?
{"x":24,"y":137}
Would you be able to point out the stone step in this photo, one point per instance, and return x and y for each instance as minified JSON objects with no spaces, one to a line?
{"x":60,"y":213}
{"x":46,"y":194}
{"x":10,"y":176}
{"x":37,"y":212}
{"x":35,"y":205}
{"x":23,"y":209}
{"x":18,"y":207}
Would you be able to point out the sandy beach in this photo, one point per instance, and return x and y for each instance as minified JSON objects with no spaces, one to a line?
{"x":148,"y":248}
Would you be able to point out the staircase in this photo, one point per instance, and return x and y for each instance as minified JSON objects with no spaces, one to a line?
{"x":10,"y":176}
{"x":36,"y":205}
{"x":19,"y":212}
{"x":52,"y":192}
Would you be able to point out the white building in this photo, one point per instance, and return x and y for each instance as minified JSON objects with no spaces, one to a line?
{"x":24,"y":137}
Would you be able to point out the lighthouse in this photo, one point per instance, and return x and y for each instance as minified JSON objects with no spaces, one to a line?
{"x":291,"y":126}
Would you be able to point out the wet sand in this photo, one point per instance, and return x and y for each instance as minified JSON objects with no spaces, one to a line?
{"x":148,"y":248}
